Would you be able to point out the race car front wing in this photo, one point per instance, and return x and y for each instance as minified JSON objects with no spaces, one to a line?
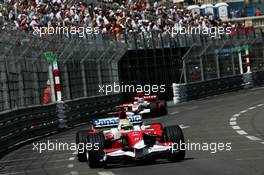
{"x":154,"y":151}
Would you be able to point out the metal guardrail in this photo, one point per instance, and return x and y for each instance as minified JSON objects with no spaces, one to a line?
{"x":213,"y":87}
{"x":22,"y":125}
{"x":258,"y":78}
{"x":202,"y":89}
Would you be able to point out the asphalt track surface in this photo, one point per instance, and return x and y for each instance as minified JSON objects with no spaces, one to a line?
{"x":206,"y":120}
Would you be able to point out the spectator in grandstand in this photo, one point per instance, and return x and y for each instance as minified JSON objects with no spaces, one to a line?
{"x":258,"y":12}
{"x":130,"y":16}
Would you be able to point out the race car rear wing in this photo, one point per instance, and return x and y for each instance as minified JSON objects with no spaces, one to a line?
{"x":112,"y":122}
{"x":147,"y":98}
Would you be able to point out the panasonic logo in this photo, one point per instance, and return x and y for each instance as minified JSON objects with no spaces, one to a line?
{"x":114,"y":121}
{"x":106,"y":122}
{"x":134,"y":118}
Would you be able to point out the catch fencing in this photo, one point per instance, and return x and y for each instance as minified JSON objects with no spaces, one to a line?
{"x":84,"y":64}
{"x":221,"y":65}
{"x":164,"y":59}
{"x":217,"y":58}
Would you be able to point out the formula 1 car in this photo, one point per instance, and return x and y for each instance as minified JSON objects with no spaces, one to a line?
{"x":126,"y":138}
{"x":145,"y":105}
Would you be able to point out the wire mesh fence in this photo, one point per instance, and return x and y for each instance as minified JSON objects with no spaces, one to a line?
{"x":223,"y":57}
{"x":163,"y":58}
{"x":84,"y":64}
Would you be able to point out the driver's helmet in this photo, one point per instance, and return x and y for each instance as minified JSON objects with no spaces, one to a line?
{"x":140,"y":100}
{"x":125,"y":125}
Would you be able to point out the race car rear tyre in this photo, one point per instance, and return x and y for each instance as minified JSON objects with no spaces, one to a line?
{"x":81,"y":140}
{"x":154,"y":111}
{"x":163,"y":107}
{"x":174,"y":134}
{"x":95,"y":155}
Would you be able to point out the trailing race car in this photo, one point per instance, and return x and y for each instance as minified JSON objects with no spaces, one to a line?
{"x":145,"y":105}
{"x":125,"y":138}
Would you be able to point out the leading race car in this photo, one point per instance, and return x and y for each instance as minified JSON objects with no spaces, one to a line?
{"x":125,"y":138}
{"x":145,"y":105}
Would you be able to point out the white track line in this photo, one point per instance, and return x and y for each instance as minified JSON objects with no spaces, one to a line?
{"x":253,"y":138}
{"x":236,"y":127}
{"x":244,"y":111}
{"x":236,"y":115}
{"x":251,"y":108}
{"x":71,"y":158}
{"x":70,"y":166}
{"x":175,"y":112}
{"x":74,"y":173}
{"x":106,"y":173}
{"x":233,"y":124}
{"x":233,"y":119}
{"x":183,"y":126}
{"x":241,"y":132}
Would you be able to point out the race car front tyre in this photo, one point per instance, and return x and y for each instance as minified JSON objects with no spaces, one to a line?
{"x":163,"y":107}
{"x":81,"y":139}
{"x":96,"y":153}
{"x":174,"y":134}
{"x":154,"y":110}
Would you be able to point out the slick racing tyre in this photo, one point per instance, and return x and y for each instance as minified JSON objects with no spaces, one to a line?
{"x":174,"y":134}
{"x":163,"y":107}
{"x":154,"y":111}
{"x":81,"y":139}
{"x":95,"y":155}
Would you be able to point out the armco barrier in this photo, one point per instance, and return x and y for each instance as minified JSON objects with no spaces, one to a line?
{"x":213,"y":87}
{"x":201,"y":89}
{"x":23,"y":124}
{"x":258,"y":78}
{"x":92,"y":107}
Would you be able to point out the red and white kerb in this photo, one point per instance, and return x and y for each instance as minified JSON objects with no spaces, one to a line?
{"x":247,"y":57}
{"x":57,"y":81}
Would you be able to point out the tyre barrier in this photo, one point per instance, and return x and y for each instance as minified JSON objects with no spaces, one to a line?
{"x":61,"y":112}
{"x":179,"y":93}
{"x":25,"y":124}
{"x":248,"y":80}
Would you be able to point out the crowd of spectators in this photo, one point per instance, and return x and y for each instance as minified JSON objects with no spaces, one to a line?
{"x":113,"y":17}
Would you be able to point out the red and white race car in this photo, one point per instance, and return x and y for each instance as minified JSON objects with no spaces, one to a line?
{"x":145,"y":105}
{"x":125,"y":138}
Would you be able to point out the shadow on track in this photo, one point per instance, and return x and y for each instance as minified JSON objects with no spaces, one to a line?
{"x":149,"y":164}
